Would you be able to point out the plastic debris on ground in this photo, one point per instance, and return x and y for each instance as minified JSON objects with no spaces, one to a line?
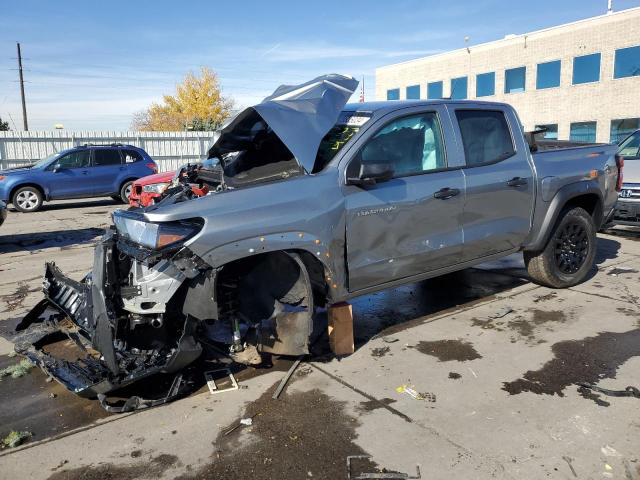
{"x":246,"y":421}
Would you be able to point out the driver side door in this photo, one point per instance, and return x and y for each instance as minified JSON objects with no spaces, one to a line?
{"x":70,"y":178}
{"x":411,"y":224}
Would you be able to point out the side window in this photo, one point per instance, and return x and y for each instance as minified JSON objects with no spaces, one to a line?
{"x":77,"y":159}
{"x":131,"y":156}
{"x":485,"y":136}
{"x":412,"y":145}
{"x":106,"y":156}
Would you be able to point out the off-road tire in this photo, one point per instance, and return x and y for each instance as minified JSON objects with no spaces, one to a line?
{"x":569,"y":254}
{"x":126,"y":186}
{"x":27,"y":199}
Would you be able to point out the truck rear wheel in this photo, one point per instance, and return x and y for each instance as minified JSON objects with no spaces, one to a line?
{"x":569,"y":253}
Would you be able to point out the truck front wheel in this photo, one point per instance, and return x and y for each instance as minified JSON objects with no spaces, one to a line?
{"x":569,"y":253}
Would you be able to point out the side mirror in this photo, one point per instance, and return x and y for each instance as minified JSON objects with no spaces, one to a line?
{"x":372,"y":173}
{"x":56,"y":168}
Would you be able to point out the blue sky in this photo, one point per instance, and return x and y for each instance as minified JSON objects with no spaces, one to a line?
{"x":91,"y":65}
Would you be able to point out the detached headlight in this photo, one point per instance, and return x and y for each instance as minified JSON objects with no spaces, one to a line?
{"x":155,"y":187}
{"x":155,"y":235}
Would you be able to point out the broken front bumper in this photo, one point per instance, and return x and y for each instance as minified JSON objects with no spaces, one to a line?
{"x":85,"y":313}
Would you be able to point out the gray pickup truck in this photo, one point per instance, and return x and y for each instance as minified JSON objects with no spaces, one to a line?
{"x":310,"y":203}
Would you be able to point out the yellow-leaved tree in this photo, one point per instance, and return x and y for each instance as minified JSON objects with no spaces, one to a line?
{"x":198,"y":104}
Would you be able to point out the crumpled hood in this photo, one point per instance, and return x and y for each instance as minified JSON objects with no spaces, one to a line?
{"x":300,"y":115}
{"x":162,"y":177}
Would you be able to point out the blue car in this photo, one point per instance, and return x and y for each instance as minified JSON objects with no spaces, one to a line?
{"x":80,"y":172}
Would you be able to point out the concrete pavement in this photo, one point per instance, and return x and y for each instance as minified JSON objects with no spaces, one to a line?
{"x":469,"y":376}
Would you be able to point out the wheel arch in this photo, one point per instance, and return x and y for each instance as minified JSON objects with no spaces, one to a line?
{"x":586,"y":194}
{"x":40,"y":188}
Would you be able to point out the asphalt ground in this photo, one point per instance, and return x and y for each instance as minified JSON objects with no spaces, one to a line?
{"x":472,"y":375}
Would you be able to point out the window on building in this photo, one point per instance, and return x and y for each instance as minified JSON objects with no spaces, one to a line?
{"x":393,"y":94}
{"x":627,"y":63}
{"x":459,"y":88}
{"x":413,"y":92}
{"x":515,"y":79}
{"x":583,"y":132}
{"x":586,"y":69}
{"x":413,"y":145}
{"x":485,"y":135}
{"x":551,"y":133}
{"x":621,"y":129}
{"x":485,"y":84}
{"x":434,"y":90}
{"x":548,"y":75}
{"x":106,"y":156}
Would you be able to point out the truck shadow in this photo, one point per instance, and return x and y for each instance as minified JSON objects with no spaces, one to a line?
{"x":28,"y":242}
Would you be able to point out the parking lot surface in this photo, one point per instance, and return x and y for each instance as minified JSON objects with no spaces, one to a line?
{"x":473,"y":375}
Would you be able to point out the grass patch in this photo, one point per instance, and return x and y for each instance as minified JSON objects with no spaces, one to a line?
{"x":15,"y":438}
{"x":18,"y":370}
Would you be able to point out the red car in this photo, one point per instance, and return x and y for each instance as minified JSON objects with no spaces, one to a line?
{"x":147,"y":189}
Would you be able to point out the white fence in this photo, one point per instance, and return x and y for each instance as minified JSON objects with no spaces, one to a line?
{"x":168,"y":149}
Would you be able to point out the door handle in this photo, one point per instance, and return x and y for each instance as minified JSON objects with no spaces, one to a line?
{"x":85,"y":172}
{"x":517,"y":182}
{"x":445,"y":193}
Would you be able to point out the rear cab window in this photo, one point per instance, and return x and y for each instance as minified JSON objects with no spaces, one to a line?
{"x":106,"y":156}
{"x":486,"y":136}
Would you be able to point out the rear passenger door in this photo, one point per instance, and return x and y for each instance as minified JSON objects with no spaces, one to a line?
{"x":106,"y":170}
{"x":499,"y":181}
{"x":410,"y":224}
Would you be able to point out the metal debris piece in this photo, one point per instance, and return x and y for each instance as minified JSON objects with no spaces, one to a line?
{"x":501,"y":312}
{"x":139,"y":403}
{"x":615,"y":271}
{"x":380,"y":475}
{"x":211,"y":381}
{"x":283,"y":382}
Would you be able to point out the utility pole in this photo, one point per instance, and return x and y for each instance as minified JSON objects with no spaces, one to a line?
{"x":609,"y":7}
{"x":24,"y":102}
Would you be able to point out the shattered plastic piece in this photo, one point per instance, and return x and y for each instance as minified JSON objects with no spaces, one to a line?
{"x":609,"y":451}
{"x":246,"y":421}
{"x":15,"y":439}
{"x":211,"y":381}
{"x":410,"y":391}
